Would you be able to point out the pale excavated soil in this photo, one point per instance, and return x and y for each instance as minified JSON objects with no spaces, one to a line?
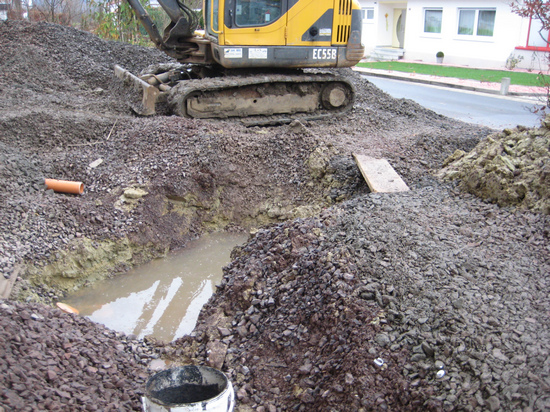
{"x":426,"y":279}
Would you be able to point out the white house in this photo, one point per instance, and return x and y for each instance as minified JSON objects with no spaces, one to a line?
{"x":471,"y":33}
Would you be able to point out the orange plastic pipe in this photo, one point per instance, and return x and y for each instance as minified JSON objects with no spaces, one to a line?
{"x":65,"y":186}
{"x":66,"y":308}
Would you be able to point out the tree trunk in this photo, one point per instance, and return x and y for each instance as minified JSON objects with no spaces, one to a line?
{"x":18,"y":9}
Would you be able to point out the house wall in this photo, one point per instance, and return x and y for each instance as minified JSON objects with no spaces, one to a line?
{"x":370,"y":29}
{"x":489,"y":52}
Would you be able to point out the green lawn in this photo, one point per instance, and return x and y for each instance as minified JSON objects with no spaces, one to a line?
{"x":518,"y":78}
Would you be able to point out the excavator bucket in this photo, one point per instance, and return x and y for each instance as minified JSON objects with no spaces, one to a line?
{"x":150,"y":93}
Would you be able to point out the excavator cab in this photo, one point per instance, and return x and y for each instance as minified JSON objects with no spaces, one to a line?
{"x":261,"y":33}
{"x":284,"y":33}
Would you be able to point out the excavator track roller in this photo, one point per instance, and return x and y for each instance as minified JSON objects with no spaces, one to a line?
{"x":335,"y":96}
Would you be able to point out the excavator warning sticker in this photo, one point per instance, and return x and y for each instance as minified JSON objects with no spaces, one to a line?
{"x":257,"y":53}
{"x":233,"y":53}
{"x":324,"y":54}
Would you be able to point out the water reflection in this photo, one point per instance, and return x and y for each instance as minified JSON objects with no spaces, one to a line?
{"x":164,"y":297}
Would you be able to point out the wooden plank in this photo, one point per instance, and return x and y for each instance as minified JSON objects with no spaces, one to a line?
{"x":7,"y":284}
{"x":379,"y":175}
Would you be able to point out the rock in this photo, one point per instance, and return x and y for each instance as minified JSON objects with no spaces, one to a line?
{"x":298,"y":127}
{"x":242,"y":331}
{"x":157,"y":365}
{"x":216,"y":351}
{"x":417,"y":357}
{"x":95,"y":163}
{"x":428,"y":350}
{"x":51,"y":375}
{"x":382,"y":339}
{"x":307,"y":398}
{"x":134,"y":193}
{"x":497,"y":353}
{"x":224,"y":331}
{"x":67,"y":363}
{"x":305,"y":368}
{"x":493,"y":403}
{"x":242,"y":396}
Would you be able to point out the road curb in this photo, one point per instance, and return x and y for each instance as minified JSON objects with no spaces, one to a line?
{"x":394,"y":76}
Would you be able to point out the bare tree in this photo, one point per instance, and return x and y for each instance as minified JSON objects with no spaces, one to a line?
{"x":52,"y":9}
{"x":536,"y":9}
{"x":66,"y":12}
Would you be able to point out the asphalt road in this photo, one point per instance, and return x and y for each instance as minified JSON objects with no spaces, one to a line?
{"x":497,"y":112}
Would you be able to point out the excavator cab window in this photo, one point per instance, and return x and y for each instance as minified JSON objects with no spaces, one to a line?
{"x":256,"y":13}
{"x":212,"y":25}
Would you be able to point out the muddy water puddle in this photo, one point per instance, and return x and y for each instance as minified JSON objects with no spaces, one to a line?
{"x":164,"y":297}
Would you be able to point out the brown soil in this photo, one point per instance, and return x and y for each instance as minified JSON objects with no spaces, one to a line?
{"x":432,"y":279}
{"x":511,"y":168}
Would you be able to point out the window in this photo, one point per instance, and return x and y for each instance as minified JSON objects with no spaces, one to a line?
{"x":367,"y":13}
{"x":432,"y":20}
{"x":257,"y":13}
{"x":476,"y":22}
{"x":212,"y":23}
{"x":486,"y":22}
{"x":215,"y":8}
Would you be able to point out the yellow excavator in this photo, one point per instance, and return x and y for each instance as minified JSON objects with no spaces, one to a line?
{"x":250,"y":58}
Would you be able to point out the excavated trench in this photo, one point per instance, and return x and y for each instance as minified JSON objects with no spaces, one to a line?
{"x":164,"y":222}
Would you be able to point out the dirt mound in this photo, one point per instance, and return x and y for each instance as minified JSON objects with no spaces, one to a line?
{"x":511,"y":168}
{"x":429,"y":280}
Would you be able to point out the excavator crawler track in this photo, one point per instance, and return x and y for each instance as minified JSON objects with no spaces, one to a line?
{"x":263,"y":99}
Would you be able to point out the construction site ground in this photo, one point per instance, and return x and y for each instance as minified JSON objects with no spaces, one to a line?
{"x":341,"y":300}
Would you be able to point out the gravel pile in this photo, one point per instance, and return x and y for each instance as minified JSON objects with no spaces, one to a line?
{"x":53,"y":361}
{"x":450,"y":292}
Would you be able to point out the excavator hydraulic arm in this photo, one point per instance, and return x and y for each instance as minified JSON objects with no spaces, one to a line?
{"x":179,"y":40}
